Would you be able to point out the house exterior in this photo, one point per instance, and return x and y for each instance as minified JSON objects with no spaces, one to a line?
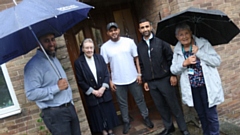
{"x":18,"y":116}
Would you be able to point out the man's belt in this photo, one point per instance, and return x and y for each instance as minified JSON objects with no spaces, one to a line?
{"x":60,"y":106}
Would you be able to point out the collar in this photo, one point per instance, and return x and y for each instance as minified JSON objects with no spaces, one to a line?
{"x":87,"y":58}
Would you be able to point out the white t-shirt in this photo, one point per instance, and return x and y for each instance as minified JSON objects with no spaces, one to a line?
{"x":121,"y":55}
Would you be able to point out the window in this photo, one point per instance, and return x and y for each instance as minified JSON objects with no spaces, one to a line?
{"x":97,"y":37}
{"x":79,"y":37}
{"x":8,"y":101}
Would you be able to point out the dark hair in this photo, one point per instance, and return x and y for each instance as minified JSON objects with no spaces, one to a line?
{"x":144,"y":20}
{"x":182,"y":26}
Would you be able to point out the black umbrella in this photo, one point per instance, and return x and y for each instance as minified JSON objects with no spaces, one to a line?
{"x":213,"y":25}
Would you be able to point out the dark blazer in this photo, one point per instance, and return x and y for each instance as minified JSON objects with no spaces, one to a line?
{"x":86,"y":79}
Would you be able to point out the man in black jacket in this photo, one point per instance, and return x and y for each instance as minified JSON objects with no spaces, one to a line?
{"x":155,"y":57}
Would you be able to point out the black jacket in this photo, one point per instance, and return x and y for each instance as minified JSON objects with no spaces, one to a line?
{"x":158,"y":66}
{"x":85,"y":78}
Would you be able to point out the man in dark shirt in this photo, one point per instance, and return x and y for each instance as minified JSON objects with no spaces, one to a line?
{"x":155,"y":57}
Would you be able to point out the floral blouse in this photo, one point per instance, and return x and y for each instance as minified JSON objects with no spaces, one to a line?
{"x":197,"y":79}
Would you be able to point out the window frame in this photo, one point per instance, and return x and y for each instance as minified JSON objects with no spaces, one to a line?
{"x":11,"y":110}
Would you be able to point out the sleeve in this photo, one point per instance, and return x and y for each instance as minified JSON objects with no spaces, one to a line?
{"x":33,"y":88}
{"x":106,"y":73}
{"x":168,"y":53}
{"x":177,"y":65}
{"x":134,"y":52}
{"x":104,"y":54}
{"x":208,"y":55}
{"x":141,"y":65}
{"x":81,"y":80}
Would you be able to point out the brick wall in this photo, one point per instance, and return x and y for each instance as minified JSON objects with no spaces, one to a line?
{"x":26,"y":123}
{"x":230,"y":53}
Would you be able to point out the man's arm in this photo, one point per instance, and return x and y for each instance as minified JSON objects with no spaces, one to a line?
{"x":167,"y":51}
{"x":112,"y":85}
{"x":33,"y":89}
{"x":139,"y":79}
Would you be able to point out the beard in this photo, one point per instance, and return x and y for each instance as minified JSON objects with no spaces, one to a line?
{"x":51,"y":53}
{"x":115,"y":38}
{"x":146,"y":33}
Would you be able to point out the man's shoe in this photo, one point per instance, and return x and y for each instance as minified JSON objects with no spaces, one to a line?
{"x":185,"y":132}
{"x":167,"y":131}
{"x":148,"y":122}
{"x":126,"y":127}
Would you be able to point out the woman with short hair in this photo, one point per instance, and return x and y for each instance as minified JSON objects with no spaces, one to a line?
{"x":196,"y":61}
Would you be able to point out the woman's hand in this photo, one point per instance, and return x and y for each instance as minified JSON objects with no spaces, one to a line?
{"x":101,"y":91}
{"x":96,"y":93}
{"x":194,"y":49}
{"x":190,"y":60}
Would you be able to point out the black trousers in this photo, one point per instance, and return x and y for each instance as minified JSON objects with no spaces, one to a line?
{"x":61,"y":120}
{"x":165,"y":99}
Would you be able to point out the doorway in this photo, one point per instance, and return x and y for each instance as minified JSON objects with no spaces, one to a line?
{"x":95,"y":28}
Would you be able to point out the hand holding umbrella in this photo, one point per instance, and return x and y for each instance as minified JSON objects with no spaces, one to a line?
{"x":62,"y":84}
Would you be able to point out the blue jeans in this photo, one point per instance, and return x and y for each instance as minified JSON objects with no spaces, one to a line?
{"x":208,"y":116}
{"x":61,"y":121}
{"x":137,"y":93}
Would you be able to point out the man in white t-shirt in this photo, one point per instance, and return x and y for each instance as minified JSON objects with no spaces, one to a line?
{"x":120,"y":54}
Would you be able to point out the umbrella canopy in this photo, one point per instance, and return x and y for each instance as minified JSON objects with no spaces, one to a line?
{"x":17,"y":38}
{"x":213,"y":25}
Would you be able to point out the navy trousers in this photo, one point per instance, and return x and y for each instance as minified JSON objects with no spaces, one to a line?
{"x":208,"y":116}
{"x":61,"y":120}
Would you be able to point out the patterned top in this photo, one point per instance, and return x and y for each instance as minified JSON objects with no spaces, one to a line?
{"x":197,"y":79}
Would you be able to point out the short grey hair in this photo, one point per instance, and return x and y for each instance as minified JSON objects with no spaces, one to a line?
{"x":87,"y":40}
{"x":182,"y":26}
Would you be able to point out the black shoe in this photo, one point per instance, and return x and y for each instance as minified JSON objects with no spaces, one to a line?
{"x":148,"y":122}
{"x":167,"y":131}
{"x":185,"y":132}
{"x":126,"y":127}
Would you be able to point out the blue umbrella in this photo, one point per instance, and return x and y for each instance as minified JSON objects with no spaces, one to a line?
{"x":20,"y":23}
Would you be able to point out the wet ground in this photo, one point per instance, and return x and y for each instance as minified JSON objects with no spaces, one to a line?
{"x":138,"y":128}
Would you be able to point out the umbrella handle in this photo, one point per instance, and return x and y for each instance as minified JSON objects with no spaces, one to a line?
{"x":54,"y":67}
